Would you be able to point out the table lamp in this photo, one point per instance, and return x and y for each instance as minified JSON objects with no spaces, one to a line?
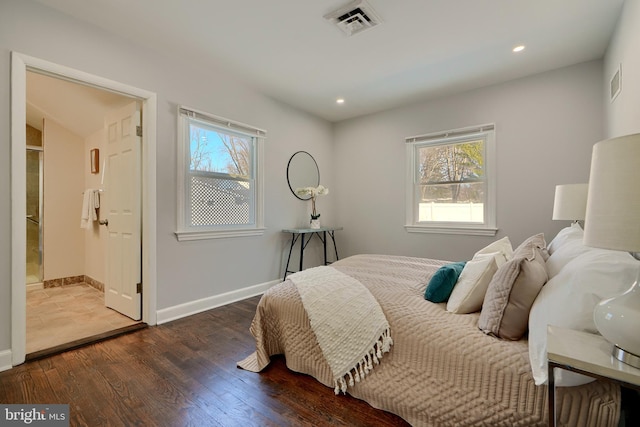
{"x":570,"y":202}
{"x":613,"y":222}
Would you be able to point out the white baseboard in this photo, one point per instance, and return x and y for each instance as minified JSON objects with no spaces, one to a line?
{"x":5,"y":360}
{"x":187,"y":309}
{"x":31,"y":286}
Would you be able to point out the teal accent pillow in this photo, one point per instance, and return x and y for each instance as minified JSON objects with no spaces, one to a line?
{"x":441,"y":284}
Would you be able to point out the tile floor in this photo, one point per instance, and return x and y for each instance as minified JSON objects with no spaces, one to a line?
{"x":63,"y":314}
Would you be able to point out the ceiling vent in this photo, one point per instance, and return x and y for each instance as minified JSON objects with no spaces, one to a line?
{"x":354,"y":18}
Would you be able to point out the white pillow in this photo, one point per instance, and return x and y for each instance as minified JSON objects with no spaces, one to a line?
{"x":503,"y":246}
{"x":568,"y":300}
{"x":573,"y":232}
{"x":468,"y":293}
{"x":562,"y":255}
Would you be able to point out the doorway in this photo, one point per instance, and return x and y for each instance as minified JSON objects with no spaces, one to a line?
{"x":21,"y":64}
{"x":65,"y":236}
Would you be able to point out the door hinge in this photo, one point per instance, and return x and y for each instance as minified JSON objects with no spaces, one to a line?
{"x":139,"y":288}
{"x":138,"y":130}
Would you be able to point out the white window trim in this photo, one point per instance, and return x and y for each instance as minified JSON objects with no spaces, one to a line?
{"x":489,"y":228}
{"x":182,"y":232}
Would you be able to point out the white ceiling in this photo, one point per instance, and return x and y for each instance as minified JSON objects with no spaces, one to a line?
{"x":423,"y":49}
{"x":81,"y":109}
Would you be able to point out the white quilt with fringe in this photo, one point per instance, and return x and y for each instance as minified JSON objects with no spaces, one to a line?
{"x":349,"y":325}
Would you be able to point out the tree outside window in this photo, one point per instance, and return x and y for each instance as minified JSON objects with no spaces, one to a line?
{"x":451,"y":183}
{"x":452,"y":176}
{"x":220,"y":187}
{"x":213,"y":151}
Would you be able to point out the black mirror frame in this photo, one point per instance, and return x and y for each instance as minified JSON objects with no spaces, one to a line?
{"x":289,"y":181}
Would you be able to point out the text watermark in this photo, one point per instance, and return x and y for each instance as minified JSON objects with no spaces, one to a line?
{"x":34,"y":415}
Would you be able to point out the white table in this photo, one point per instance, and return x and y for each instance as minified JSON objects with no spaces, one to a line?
{"x":587,"y":354}
{"x":321,"y":233}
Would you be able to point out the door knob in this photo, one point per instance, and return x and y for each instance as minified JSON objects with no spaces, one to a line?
{"x":104,"y":222}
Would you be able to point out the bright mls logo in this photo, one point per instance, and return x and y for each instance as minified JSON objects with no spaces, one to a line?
{"x":37,"y":415}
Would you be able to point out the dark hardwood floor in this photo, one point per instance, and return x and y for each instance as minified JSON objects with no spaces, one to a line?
{"x":183,"y":374}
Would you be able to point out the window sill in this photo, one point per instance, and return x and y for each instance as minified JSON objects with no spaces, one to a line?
{"x":184,"y":236}
{"x":469,"y":231}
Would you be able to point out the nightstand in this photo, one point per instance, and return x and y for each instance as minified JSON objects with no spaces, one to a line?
{"x":587,"y":354}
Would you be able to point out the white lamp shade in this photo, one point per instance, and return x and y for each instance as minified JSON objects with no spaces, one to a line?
{"x":613,"y":202}
{"x":613,"y":222}
{"x":570,"y":202}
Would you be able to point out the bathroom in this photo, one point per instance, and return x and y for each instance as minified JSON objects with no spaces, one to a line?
{"x":66,"y":264}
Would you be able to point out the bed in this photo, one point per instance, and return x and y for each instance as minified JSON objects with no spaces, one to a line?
{"x":441,"y":370}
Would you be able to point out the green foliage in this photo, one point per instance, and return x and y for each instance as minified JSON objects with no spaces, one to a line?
{"x":449,"y":173}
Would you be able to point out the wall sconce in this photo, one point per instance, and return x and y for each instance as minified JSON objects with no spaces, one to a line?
{"x":94,"y":155}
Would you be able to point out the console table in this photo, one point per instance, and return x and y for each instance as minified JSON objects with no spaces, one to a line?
{"x":587,"y":354}
{"x":299,"y":233}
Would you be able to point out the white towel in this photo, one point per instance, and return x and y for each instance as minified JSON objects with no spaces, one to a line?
{"x":96,"y":202}
{"x":90,"y":202}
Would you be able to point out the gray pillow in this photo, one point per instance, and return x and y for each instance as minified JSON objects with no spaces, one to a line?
{"x":512,"y":291}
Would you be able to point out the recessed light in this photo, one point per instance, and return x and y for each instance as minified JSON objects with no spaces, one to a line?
{"x":518,"y":48}
{"x":340,"y":101}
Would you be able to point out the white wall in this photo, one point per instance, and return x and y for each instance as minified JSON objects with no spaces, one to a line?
{"x":63,"y":239}
{"x":623,"y":114}
{"x":187,"y":271}
{"x":545,"y":127}
{"x":95,"y":237}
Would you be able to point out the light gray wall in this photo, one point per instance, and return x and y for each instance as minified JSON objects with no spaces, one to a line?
{"x":187,"y":271}
{"x":545,"y":127}
{"x":623,"y":114}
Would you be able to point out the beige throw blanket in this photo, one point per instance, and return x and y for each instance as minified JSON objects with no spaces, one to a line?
{"x":349,"y":325}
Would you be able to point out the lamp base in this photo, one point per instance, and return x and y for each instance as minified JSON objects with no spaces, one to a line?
{"x":617,"y":320}
{"x":626,"y":357}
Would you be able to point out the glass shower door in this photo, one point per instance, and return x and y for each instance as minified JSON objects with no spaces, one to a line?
{"x":34,"y":215}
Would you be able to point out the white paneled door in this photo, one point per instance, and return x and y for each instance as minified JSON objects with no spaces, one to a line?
{"x":123,"y":193}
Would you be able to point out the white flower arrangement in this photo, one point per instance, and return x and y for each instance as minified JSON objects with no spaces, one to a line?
{"x":314,"y":192}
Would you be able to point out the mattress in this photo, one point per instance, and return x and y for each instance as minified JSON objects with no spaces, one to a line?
{"x":441,"y":371}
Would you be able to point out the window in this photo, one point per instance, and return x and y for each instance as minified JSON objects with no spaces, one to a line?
{"x":219,"y":177}
{"x":451,"y":182}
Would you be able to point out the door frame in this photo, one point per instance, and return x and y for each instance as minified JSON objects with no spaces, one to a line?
{"x":20,"y":63}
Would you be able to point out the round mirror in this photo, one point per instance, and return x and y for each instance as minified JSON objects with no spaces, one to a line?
{"x":302,"y":171}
